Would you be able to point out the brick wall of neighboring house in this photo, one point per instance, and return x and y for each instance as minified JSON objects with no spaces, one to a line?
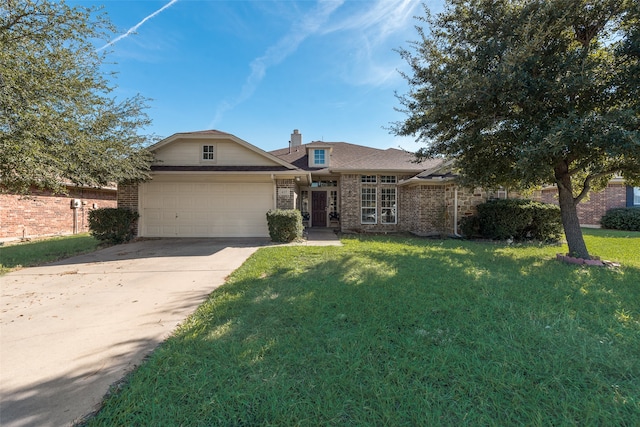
{"x":44,"y":214}
{"x":591,"y":211}
{"x":285,"y":194}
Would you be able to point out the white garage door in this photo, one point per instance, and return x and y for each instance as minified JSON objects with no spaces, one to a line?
{"x":205,"y":209}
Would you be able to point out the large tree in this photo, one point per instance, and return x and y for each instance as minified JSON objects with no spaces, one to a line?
{"x":529,"y":92}
{"x":59,"y":122}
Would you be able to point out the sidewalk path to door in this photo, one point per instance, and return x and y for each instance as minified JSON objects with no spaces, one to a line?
{"x":71,"y":329}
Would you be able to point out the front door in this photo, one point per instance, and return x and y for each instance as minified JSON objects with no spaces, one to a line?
{"x":319,"y":208}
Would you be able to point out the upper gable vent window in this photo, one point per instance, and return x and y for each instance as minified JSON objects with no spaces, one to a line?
{"x":319,"y":157}
{"x":208,"y":152}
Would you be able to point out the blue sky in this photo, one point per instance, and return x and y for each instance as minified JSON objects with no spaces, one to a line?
{"x":259,"y":69}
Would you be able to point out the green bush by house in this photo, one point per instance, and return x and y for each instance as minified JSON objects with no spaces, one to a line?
{"x":515,"y":218}
{"x":622,"y":219}
{"x":115,"y":225}
{"x":284,"y":225}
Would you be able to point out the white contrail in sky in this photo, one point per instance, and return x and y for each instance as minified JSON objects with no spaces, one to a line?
{"x":309,"y":25}
{"x":135,"y":27}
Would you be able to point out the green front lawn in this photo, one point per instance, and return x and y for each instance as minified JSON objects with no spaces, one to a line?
{"x":403,"y":331}
{"x":16,"y":255}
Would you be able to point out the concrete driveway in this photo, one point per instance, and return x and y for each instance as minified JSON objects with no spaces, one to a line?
{"x":71,"y":329}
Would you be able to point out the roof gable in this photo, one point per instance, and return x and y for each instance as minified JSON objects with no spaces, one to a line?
{"x":185,"y":150}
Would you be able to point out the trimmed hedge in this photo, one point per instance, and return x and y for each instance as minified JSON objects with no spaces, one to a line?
{"x":114,"y":225}
{"x":622,"y":219}
{"x":284,"y":225}
{"x":515,"y":218}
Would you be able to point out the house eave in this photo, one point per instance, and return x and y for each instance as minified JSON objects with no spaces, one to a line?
{"x":376,"y":171}
{"x":434,"y":180}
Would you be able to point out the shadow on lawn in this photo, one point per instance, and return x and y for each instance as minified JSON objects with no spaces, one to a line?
{"x":272,"y":345}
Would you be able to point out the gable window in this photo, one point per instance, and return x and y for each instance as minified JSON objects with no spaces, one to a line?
{"x":368,"y":203}
{"x":388,"y":205}
{"x":319,"y":157}
{"x":208,"y":152}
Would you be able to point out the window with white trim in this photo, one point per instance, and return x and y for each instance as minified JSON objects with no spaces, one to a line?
{"x":388,"y":179}
{"x":368,"y":205}
{"x":388,"y":205}
{"x":636,"y":196}
{"x":368,"y":179}
{"x":208,"y":153}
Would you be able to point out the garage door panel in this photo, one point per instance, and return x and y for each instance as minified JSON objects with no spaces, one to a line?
{"x":205,"y":209}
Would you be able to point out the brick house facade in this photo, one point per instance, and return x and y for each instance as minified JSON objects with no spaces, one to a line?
{"x":213,"y":184}
{"x":42,"y":213}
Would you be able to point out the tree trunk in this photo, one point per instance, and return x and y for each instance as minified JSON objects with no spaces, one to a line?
{"x":569,"y":214}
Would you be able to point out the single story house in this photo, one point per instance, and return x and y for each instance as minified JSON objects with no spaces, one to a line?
{"x":214,"y":184}
{"x":42,"y":213}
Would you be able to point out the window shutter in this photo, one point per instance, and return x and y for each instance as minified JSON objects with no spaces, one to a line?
{"x":629,"y":196}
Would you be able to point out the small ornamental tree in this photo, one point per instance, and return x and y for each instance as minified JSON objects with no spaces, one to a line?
{"x":529,"y":92}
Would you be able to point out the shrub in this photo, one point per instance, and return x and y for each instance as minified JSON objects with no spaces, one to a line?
{"x":284,"y":225}
{"x":470,"y":226}
{"x":113,"y":225}
{"x":622,"y":219}
{"x":515,"y":218}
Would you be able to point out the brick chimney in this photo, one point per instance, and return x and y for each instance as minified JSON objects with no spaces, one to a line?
{"x":296,"y":138}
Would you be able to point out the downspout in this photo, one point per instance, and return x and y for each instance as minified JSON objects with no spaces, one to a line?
{"x":275,"y":192}
{"x":455,"y":212}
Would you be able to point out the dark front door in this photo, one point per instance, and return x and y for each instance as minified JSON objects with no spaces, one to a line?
{"x":319,"y":208}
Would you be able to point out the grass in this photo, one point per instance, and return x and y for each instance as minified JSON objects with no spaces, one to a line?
{"x":402,"y":331}
{"x":42,"y":251}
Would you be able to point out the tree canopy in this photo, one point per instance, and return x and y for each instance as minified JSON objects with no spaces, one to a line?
{"x":59,"y":122}
{"x":524,"y":93}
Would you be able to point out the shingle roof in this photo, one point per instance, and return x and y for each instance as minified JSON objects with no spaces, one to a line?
{"x":345,"y":157}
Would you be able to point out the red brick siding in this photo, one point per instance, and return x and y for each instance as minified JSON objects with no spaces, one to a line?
{"x":591,"y":211}
{"x":128,"y":199}
{"x":44,"y":214}
{"x":128,"y":196}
